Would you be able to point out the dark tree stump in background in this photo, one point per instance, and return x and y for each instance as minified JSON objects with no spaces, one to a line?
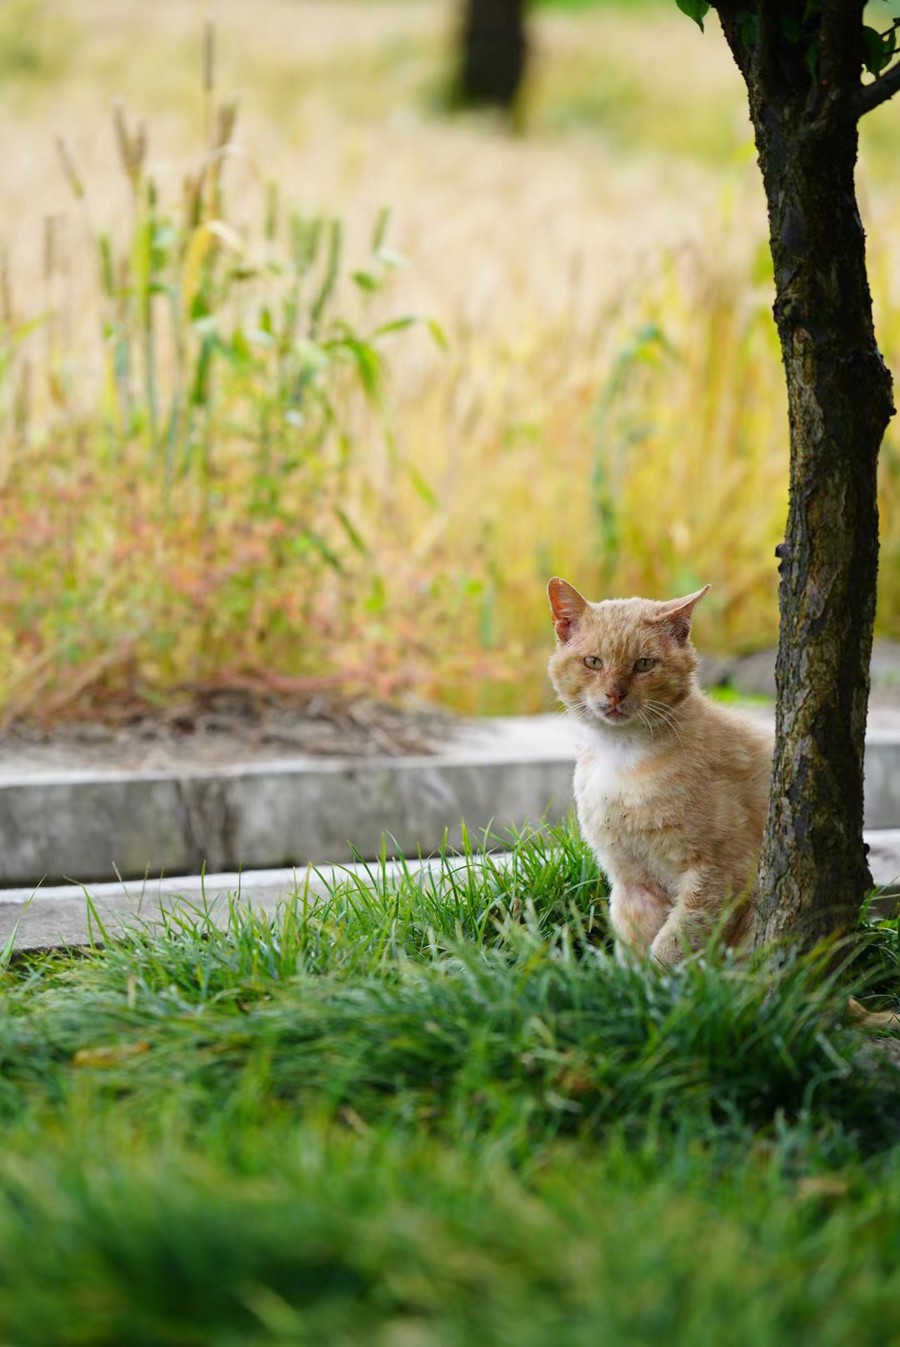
{"x":494,"y":52}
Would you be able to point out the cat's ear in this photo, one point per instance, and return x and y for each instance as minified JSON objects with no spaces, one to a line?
{"x":567,"y":606}
{"x":675,"y":616}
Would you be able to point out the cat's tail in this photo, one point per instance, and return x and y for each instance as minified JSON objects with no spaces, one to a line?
{"x":872,"y":1019}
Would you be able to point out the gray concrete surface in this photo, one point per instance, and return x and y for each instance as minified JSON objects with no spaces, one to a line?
{"x":754,"y":675}
{"x":97,"y":825}
{"x":48,"y":917}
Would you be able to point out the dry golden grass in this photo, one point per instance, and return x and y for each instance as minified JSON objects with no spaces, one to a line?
{"x":610,"y":406}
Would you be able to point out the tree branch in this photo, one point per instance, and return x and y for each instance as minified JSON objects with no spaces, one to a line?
{"x":869,"y":96}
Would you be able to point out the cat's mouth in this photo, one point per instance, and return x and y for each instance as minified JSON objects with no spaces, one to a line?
{"x":615,"y":715}
{"x":610,"y":715}
{"x":591,"y":710}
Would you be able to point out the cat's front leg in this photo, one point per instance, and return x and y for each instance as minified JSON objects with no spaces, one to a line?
{"x":703,"y":903}
{"x":637,"y":912}
{"x":688,"y":924}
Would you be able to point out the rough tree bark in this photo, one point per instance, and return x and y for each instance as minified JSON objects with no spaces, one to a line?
{"x":802,"y":65}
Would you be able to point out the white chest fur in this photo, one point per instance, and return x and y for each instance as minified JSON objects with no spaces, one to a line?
{"x":606,"y":763}
{"x":606,"y":782}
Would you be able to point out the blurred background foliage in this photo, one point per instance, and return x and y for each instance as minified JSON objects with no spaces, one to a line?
{"x":320,"y":388}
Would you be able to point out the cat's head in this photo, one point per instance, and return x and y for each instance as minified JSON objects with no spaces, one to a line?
{"x":623,"y":661}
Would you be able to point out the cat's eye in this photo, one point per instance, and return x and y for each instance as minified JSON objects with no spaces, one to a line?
{"x":644,"y":665}
{"x":593,"y":661}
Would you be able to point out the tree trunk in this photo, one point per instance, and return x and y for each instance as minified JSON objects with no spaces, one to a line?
{"x":493,"y":52}
{"x":813,"y":872}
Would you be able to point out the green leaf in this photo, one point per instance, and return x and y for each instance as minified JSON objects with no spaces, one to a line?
{"x":365,"y":280}
{"x":199,"y":394}
{"x":366,"y":361}
{"x":240,"y":347}
{"x":353,"y":534}
{"x":309,"y":541}
{"x":332,"y":266}
{"x":438,"y":335}
{"x":107,"y":265}
{"x":377,"y":598}
{"x":421,"y":487}
{"x":394,"y":325}
{"x":877,"y":50}
{"x":381,"y":228}
{"x":694,"y":9}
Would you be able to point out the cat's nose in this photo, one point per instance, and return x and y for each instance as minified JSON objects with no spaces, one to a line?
{"x":613,"y":699}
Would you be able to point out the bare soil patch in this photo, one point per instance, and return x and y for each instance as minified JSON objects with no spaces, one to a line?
{"x":221,"y":727}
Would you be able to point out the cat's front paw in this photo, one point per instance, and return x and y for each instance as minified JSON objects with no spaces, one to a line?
{"x":669,"y":948}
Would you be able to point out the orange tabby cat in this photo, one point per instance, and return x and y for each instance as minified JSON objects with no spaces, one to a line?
{"x":670,"y":787}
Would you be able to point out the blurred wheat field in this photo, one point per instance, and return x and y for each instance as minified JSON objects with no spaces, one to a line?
{"x":599,"y":393}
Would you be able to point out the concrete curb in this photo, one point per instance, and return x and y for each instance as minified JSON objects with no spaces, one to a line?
{"x":72,"y":915}
{"x":102,"y":824}
{"x":92,"y":826}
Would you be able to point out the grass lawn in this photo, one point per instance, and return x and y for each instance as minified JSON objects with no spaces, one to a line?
{"x":439,"y":1113}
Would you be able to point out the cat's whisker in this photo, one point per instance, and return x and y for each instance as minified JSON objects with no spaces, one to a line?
{"x":662,"y":718}
{"x":664,"y":715}
{"x":579,"y":711}
{"x":646,"y":720}
{"x":662,"y":711}
{"x":591,"y":715}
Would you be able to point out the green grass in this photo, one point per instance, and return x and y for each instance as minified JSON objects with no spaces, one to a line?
{"x":731,"y":697}
{"x":438,"y":1112}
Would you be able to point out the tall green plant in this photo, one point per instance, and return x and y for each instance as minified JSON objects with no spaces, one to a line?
{"x":208,"y":496}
